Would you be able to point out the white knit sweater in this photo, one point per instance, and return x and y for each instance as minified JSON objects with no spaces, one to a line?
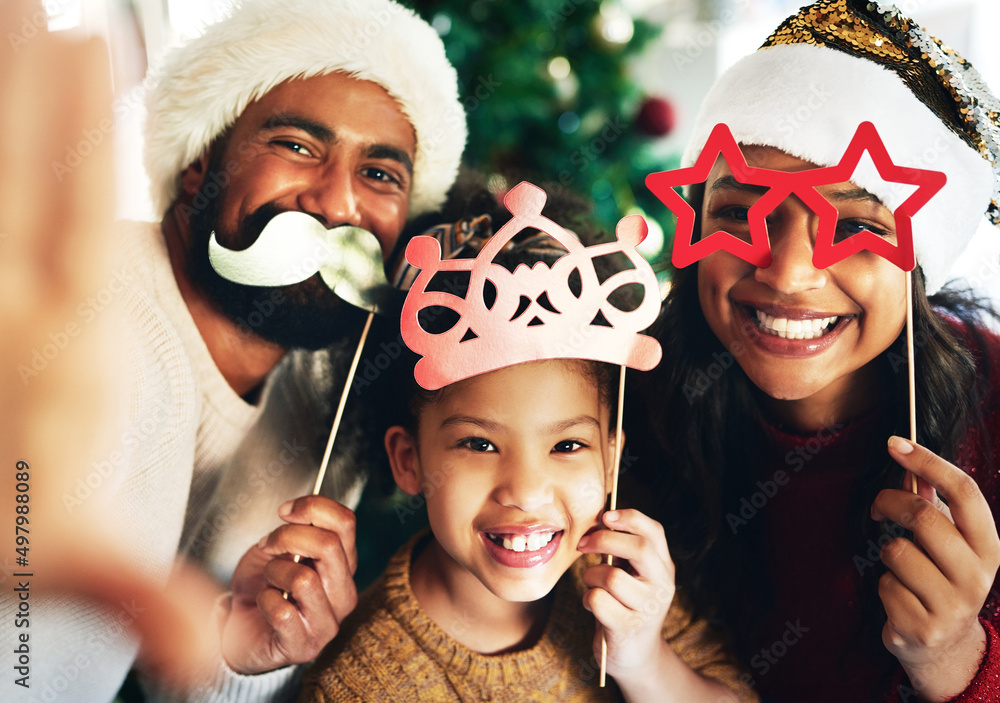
{"x":195,"y":459}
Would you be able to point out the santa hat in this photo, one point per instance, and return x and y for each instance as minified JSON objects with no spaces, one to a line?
{"x":838,"y":63}
{"x":203,"y":86}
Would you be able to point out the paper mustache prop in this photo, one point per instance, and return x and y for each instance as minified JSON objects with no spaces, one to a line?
{"x":293,"y":247}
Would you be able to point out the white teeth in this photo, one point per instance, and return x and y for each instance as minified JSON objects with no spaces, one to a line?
{"x":785,"y":328}
{"x":521,"y":543}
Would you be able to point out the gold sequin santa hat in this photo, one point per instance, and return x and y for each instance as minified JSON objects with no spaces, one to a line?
{"x":837,"y":63}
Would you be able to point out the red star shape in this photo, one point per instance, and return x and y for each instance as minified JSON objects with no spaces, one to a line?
{"x":826,"y":253}
{"x":802,"y":184}
{"x":686,"y":252}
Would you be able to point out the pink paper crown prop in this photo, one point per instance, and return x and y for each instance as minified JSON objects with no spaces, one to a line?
{"x":781,"y":185}
{"x":555,"y":323}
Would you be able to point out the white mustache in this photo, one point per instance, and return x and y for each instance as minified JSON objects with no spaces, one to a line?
{"x":293,"y":246}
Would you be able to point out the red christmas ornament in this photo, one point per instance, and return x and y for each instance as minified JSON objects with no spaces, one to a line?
{"x":656,"y":117}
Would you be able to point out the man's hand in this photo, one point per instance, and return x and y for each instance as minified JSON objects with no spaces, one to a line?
{"x":263,"y":630}
{"x":935,"y":588}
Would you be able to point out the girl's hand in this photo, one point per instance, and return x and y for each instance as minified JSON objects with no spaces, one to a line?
{"x":630,"y":598}
{"x":935,"y":588}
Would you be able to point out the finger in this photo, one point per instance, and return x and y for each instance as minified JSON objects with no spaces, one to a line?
{"x":969,"y":508}
{"x":322,"y":547}
{"x":624,"y":588}
{"x":919,"y":575}
{"x":305,"y":587}
{"x":935,"y":533}
{"x":637,"y":550}
{"x":284,"y":618}
{"x":608,"y":611}
{"x":637,"y":523}
{"x":905,"y":613}
{"x":327,"y":514}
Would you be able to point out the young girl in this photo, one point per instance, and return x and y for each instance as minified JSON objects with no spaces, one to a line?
{"x":515,"y":467}
{"x":781,"y":385}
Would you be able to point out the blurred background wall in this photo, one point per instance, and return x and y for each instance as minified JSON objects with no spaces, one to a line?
{"x":590,"y":95}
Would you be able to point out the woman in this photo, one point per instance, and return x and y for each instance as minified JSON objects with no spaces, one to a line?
{"x":781,"y":385}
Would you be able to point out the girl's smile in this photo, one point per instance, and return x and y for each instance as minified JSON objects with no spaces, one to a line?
{"x":514,"y":465}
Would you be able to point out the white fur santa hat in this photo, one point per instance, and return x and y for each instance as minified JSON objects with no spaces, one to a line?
{"x":838,"y":63}
{"x":203,"y":86}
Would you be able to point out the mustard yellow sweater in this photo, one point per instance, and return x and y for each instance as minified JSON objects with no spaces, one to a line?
{"x":390,"y":650}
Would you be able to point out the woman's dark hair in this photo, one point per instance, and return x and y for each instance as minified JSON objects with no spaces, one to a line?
{"x":695,"y":441}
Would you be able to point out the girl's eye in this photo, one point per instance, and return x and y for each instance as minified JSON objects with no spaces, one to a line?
{"x":477,"y":444}
{"x":567,"y":446}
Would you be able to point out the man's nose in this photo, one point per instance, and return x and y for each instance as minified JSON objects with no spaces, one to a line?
{"x":333,"y":199}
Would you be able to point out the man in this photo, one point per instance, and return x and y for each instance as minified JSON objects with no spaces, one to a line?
{"x":346,"y":111}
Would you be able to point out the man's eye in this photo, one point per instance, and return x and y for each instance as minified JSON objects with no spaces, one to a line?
{"x":379,"y":174}
{"x":567,"y":446}
{"x":477,"y":444}
{"x":294,"y":146}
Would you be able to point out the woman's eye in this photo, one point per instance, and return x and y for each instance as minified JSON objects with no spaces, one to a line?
{"x":568,"y":446}
{"x":848,"y":228}
{"x":477,"y":444}
{"x":736,"y":213}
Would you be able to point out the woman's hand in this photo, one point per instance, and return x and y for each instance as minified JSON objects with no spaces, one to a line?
{"x":936,"y":585}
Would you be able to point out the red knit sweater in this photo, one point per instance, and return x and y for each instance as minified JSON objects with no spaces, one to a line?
{"x":808,"y":649}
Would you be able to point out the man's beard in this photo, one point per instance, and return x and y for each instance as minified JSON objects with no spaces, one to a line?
{"x":306,"y":315}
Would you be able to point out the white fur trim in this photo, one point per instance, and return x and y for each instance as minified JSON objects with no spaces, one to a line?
{"x":205,"y":85}
{"x":808,"y":101}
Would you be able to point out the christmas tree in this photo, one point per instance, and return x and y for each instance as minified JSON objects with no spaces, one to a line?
{"x":547,"y":94}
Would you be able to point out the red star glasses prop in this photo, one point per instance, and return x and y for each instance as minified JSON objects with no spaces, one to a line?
{"x":777,"y":186}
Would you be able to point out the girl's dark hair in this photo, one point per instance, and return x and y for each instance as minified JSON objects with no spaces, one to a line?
{"x":695,"y":440}
{"x":394,"y":398}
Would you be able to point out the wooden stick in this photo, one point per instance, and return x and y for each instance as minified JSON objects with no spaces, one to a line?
{"x":614,"y":499}
{"x":911,"y":367}
{"x":336,"y":419}
{"x":343,"y":402}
